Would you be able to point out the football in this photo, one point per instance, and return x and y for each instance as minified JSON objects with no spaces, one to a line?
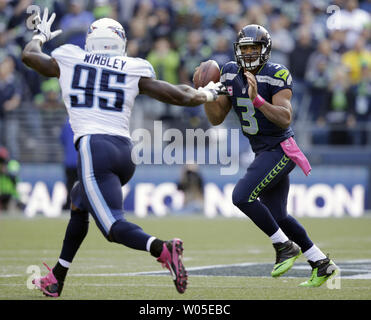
{"x":206,"y":72}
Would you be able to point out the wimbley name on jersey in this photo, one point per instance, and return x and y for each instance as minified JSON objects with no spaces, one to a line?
{"x":103,"y":60}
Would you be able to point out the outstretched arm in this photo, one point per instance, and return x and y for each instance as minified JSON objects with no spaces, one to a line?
{"x":32,"y":54}
{"x":182,"y":95}
{"x":33,"y":57}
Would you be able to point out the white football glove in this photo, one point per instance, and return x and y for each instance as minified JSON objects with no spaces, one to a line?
{"x":213,"y":90}
{"x":43,"y":28}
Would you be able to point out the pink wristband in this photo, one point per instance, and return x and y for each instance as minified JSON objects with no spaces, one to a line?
{"x":258,"y":101}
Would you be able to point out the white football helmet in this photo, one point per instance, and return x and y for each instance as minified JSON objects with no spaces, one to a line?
{"x":106,"y":36}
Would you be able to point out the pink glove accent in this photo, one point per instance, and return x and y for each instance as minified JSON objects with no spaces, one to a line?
{"x":258,"y":101}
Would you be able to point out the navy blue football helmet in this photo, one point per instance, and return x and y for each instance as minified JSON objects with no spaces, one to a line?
{"x":249,"y":35}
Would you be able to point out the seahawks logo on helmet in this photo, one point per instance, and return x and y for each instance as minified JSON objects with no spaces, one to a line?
{"x":249,"y":35}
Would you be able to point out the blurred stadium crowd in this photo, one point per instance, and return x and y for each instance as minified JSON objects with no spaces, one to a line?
{"x":326,"y":50}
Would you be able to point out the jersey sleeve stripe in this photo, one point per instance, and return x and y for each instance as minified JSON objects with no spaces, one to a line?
{"x":271,"y":81}
{"x":227,"y":76}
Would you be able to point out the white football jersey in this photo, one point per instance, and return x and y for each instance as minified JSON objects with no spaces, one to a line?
{"x":99,"y":91}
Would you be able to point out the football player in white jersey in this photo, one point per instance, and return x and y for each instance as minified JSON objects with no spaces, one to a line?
{"x":99,"y":86}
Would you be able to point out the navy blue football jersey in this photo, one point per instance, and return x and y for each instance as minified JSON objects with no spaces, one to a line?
{"x":271,"y":78}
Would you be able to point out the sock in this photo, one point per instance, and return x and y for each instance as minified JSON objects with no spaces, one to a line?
{"x":64,"y":263}
{"x":149,"y":243}
{"x":60,"y":271}
{"x":156,"y":247}
{"x":314,"y":254}
{"x":279,"y":236}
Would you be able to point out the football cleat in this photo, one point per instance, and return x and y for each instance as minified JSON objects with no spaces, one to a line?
{"x":171,"y":258}
{"x":286,"y":254}
{"x":322,"y":270}
{"x":49,"y":285}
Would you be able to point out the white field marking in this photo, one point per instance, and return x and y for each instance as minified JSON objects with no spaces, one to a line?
{"x":358,"y":276}
{"x":364,"y":272}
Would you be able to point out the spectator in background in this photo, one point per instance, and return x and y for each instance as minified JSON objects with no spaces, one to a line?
{"x":231,"y":11}
{"x":320,"y":65}
{"x":358,"y":64}
{"x":309,"y":21}
{"x":51,"y":111}
{"x":165,"y":62}
{"x":144,"y":9}
{"x":7,"y":45}
{"x":254,"y":15}
{"x":192,"y":55}
{"x":10,"y":100}
{"x":125,"y":11}
{"x":162,"y":25}
{"x":363,"y":108}
{"x":104,"y":9}
{"x":208,"y":10}
{"x":192,"y":185}
{"x":222,"y":52}
{"x":282,"y":40}
{"x":338,"y":42}
{"x":298,"y":61}
{"x":356,"y":59}
{"x":9,"y":171}
{"x":219,"y":29}
{"x":70,"y":160}
{"x":75,"y":23}
{"x":186,"y":20}
{"x":352,"y":19}
{"x":140,"y":43}
{"x":340,"y":111}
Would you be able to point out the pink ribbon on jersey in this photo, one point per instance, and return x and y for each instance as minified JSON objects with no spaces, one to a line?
{"x":292,"y":150}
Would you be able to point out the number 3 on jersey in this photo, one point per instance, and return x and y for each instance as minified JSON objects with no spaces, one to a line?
{"x":90,"y":74}
{"x":248,"y":116}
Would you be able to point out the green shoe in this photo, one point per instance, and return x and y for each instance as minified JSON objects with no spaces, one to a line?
{"x":286,"y":254}
{"x":322,"y":270}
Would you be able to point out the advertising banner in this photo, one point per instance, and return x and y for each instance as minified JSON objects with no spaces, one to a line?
{"x":330,"y":191}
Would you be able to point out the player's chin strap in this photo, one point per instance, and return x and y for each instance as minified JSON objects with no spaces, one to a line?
{"x":213,"y":90}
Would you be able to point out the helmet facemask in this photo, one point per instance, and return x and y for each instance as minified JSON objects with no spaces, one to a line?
{"x":250,"y":61}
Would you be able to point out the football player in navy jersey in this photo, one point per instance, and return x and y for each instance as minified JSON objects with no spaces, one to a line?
{"x":260,"y":93}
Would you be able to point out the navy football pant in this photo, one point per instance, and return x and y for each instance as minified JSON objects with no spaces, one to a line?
{"x":104,"y":166}
{"x":262,"y":195}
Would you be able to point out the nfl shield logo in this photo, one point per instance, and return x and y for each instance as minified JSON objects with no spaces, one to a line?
{"x":230,"y":90}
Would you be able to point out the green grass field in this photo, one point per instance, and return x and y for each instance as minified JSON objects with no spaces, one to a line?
{"x":103,"y":270}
